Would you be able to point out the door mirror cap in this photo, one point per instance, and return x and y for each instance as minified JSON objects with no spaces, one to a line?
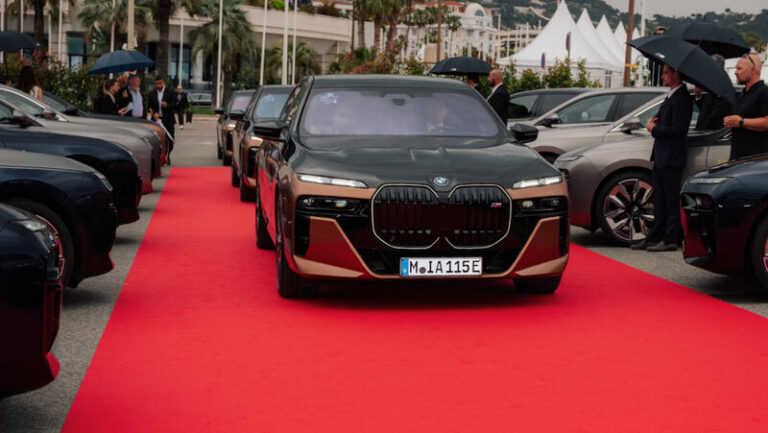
{"x":549,"y":121}
{"x":270,"y":130}
{"x":219,"y":111}
{"x":524,"y":133}
{"x":21,"y":119}
{"x":631,"y":124}
{"x":236,"y":114}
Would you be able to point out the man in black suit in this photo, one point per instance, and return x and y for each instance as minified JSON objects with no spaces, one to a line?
{"x":499,"y":98}
{"x":182,"y":104}
{"x":669,"y":156}
{"x":162,"y":105}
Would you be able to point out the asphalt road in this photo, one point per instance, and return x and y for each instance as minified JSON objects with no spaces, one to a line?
{"x":87,"y":308}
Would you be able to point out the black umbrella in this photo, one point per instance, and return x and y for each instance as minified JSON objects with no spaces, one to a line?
{"x":711,"y":38}
{"x":120,"y":61}
{"x":695,"y":65}
{"x":15,"y":41}
{"x":463,"y":65}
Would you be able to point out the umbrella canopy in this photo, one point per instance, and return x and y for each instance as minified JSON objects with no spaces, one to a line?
{"x":15,"y":41}
{"x":120,"y":61}
{"x":692,"y":62}
{"x":711,"y":38}
{"x":463,"y":65}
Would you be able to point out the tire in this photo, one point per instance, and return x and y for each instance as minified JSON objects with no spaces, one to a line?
{"x":624,"y":207}
{"x":246,"y":194}
{"x":63,"y":232}
{"x":289,"y":283}
{"x":538,"y":285}
{"x":219,"y":153}
{"x":226,"y":161}
{"x":758,"y":253}
{"x":263,"y":241}
{"x":235,"y":178}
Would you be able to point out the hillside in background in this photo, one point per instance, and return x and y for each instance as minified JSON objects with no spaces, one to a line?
{"x":753,"y":27}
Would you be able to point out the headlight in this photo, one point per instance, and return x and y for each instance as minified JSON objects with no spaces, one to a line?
{"x":542,"y":181}
{"x":329,"y":204}
{"x":103,"y":180}
{"x":709,"y":180}
{"x":331,"y":181}
{"x":568,"y":158}
{"x":231,"y":125}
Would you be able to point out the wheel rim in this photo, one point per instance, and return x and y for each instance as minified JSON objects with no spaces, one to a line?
{"x":628,"y":211}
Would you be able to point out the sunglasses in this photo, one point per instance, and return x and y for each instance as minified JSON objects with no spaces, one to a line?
{"x":749,"y":57}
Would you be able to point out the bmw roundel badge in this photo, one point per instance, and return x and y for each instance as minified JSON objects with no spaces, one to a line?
{"x":440,"y":181}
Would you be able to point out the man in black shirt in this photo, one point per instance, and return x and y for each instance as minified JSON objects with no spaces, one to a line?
{"x":749,"y":121}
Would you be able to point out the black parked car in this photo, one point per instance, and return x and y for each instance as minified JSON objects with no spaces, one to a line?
{"x":227,"y":121}
{"x":73,"y":198}
{"x":112,"y":160}
{"x":30,"y":301}
{"x":725,"y":218}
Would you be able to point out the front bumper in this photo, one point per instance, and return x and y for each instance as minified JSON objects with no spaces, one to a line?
{"x":96,"y":231}
{"x":337,"y":247}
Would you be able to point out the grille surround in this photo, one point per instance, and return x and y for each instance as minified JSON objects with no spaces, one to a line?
{"x":445,"y":216}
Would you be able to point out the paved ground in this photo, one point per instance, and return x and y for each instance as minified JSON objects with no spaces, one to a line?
{"x":87,"y":309}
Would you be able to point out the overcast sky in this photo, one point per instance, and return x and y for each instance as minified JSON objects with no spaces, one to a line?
{"x":687,"y":7}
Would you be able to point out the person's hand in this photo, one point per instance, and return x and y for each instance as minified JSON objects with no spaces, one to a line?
{"x":731,"y":121}
{"x":122,"y":111}
{"x":164,"y":104}
{"x":651,"y":124}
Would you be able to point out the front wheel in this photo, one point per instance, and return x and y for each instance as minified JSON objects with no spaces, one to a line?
{"x":289,"y":283}
{"x":263,"y":241}
{"x":538,"y":285}
{"x":758,"y":253}
{"x":246,"y":194}
{"x":235,"y":178}
{"x":624,"y":209}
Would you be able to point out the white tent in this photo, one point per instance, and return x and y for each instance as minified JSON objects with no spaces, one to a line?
{"x":584,"y":25}
{"x":550,"y":45}
{"x":606,"y":34}
{"x":635,"y":34}
{"x":621,"y":37}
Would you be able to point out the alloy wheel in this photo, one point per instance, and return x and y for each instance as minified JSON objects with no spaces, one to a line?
{"x":628,"y":210}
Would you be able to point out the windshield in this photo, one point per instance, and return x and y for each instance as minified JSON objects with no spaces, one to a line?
{"x":22,"y":103}
{"x":398,"y":112}
{"x":269,"y":106}
{"x":240,"y":102}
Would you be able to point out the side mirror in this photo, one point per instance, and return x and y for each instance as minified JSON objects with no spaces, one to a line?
{"x":219,"y":111}
{"x":549,"y":121}
{"x":236,"y":114}
{"x":524,"y":133}
{"x":21,"y":119}
{"x":631,"y":124}
{"x":72,"y":111}
{"x":50,"y":114}
{"x":271,"y":130}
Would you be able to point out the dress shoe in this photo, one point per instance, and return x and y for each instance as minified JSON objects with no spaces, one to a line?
{"x":642,"y":245}
{"x":661,"y":246}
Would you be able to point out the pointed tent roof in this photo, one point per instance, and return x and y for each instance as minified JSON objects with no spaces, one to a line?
{"x":587,"y":29}
{"x":620,"y":34}
{"x":551,"y":43}
{"x":635,"y":33}
{"x":606,"y":34}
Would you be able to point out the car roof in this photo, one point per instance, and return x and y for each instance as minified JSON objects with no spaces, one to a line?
{"x":569,"y":90}
{"x":354,"y":80}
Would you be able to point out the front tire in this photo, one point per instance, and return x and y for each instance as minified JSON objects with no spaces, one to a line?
{"x":624,"y":209}
{"x":246,"y":194}
{"x":58,"y":224}
{"x":538,"y":285}
{"x":289,"y":283}
{"x":263,"y":241}
{"x":758,"y":253}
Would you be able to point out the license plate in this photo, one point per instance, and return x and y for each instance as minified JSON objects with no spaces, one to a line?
{"x":440,"y":267}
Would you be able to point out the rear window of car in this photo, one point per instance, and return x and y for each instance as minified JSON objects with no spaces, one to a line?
{"x":397,"y":112}
{"x":22,"y":103}
{"x":521,"y":106}
{"x":631,"y":101}
{"x":270,"y":105}
{"x":552,"y":100}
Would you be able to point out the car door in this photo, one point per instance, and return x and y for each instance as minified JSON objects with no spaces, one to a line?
{"x":719,"y":150}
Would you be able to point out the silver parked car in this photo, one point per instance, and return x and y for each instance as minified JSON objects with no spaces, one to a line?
{"x":610,"y":183}
{"x":51,"y":121}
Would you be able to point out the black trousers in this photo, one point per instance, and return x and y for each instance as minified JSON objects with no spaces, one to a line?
{"x":667,"y":226}
{"x":180,"y":113}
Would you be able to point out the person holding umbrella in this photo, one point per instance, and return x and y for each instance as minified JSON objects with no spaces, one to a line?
{"x":669,"y":156}
{"x":749,"y":119}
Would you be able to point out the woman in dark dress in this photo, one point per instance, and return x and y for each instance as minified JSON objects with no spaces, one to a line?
{"x":105,"y":102}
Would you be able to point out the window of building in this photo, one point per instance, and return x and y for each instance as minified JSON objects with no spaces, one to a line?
{"x":185,"y":65}
{"x":77,"y":51}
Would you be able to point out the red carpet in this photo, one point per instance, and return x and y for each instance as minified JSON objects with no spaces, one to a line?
{"x":199,"y":341}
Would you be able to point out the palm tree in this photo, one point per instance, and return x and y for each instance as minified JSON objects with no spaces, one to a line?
{"x":396,"y":8}
{"x":162,"y":11}
{"x":361,"y":6}
{"x":454,"y":24}
{"x":98,"y":16}
{"x":237,"y":40}
{"x":306,"y":62}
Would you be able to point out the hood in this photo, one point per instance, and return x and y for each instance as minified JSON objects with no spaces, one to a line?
{"x":21,"y":159}
{"x":461,"y":161}
{"x":63,"y":144}
{"x":752,"y":165}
